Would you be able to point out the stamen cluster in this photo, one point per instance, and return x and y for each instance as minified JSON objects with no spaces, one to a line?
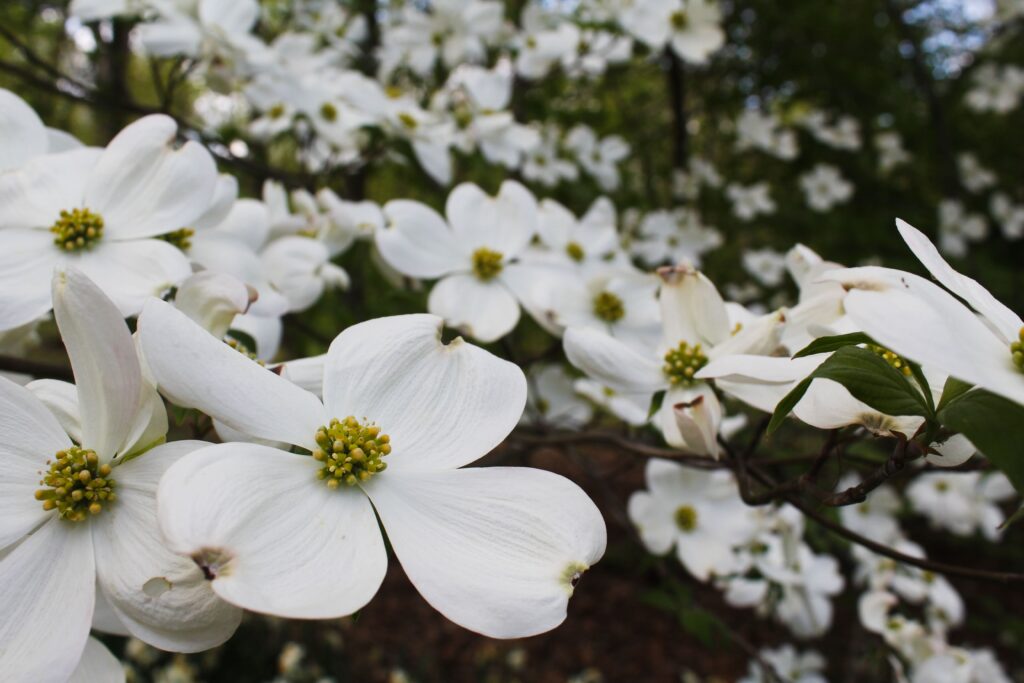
{"x":77,"y":229}
{"x":351,"y":451}
{"x":892,"y":359}
{"x":1017,"y":350}
{"x":487,"y":263}
{"x":609,"y":307}
{"x":683,"y":362}
{"x":76,"y":484}
{"x":575,"y":251}
{"x":686,"y":518}
{"x":182,"y":239}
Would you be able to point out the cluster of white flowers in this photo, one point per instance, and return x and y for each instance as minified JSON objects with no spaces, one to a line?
{"x":996,"y":88}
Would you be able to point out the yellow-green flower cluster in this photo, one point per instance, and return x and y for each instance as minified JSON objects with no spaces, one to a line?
{"x":77,"y":229}
{"x":892,"y":359}
{"x":351,"y":451}
{"x":1017,"y":350}
{"x":486,"y":263}
{"x":77,"y":485}
{"x":683,"y":362}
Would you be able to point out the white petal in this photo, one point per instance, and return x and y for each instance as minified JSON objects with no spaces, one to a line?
{"x":197,"y":370}
{"x":27,"y":258}
{"x":29,"y":435}
{"x":97,"y":665}
{"x":442,"y":405}
{"x":47,"y":591}
{"x":1006,"y":321}
{"x":131,"y":272}
{"x":484,"y":310}
{"x":692,"y":310}
{"x":496,"y":550}
{"x":143,"y":186}
{"x":294,"y":266}
{"x":34,"y":196}
{"x":61,"y":399}
{"x":417,"y":242}
{"x":504,"y":223}
{"x":22,"y":133}
{"x":213,"y":300}
{"x":698,"y":421}
{"x":106,"y":367}
{"x":288,"y":545}
{"x":162,"y":598}
{"x":612,"y":362}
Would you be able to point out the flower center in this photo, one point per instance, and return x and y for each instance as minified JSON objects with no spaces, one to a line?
{"x":683,"y":362}
{"x":277,"y":111}
{"x":686,"y":518}
{"x":329,"y":112}
{"x":679,"y":20}
{"x":408,"y":120}
{"x":76,"y":484}
{"x":572,"y":574}
{"x":351,"y":451}
{"x":486,"y":263}
{"x":608,"y":307}
{"x":182,"y":239}
{"x":1017,"y":350}
{"x":892,"y":359}
{"x":242,"y":349}
{"x":77,"y":229}
{"x":575,"y":251}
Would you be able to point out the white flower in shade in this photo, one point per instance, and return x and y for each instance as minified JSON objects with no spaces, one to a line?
{"x":891,"y":153}
{"x":692,"y":27}
{"x":497,"y":550}
{"x":545,"y":163}
{"x":1009,"y":215}
{"x":454,"y":31}
{"x":101,"y":211}
{"x":874,"y":517}
{"x":975,"y":177}
{"x":553,"y":399}
{"x":699,"y":512}
{"x":750,"y":201}
{"x":977,"y":340}
{"x":677,"y":236}
{"x":79,"y":535}
{"x":843,"y":133}
{"x":630,"y":408}
{"x":961,"y":502}
{"x":755,"y":130}
{"x":808,"y":583}
{"x":766,"y":265}
{"x":824,"y":187}
{"x":543,"y":41}
{"x":793,"y":666}
{"x":219,"y":29}
{"x":474,"y":254}
{"x":584,"y":244}
{"x":621,"y":302}
{"x":958,"y":228}
{"x":598,"y":157}
{"x":996,"y":88}
{"x":695,"y":329}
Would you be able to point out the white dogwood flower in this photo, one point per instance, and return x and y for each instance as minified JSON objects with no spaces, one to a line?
{"x":497,"y":550}
{"x":78,"y":525}
{"x":101,"y":211}
{"x":473,"y":254}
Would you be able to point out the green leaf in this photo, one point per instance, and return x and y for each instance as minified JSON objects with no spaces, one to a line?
{"x":952,"y":389}
{"x":830,"y":344}
{"x":868,"y":378}
{"x":656,"y":401}
{"x":995,"y":426}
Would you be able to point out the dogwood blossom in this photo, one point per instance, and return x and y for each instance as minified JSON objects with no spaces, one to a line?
{"x":269,"y":557}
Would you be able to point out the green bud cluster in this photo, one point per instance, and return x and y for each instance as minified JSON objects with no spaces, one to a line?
{"x":685,"y":518}
{"x":609,"y":307}
{"x":487,"y":263}
{"x":182,"y":239}
{"x":351,"y":451}
{"x":679,"y":20}
{"x":683,"y":362}
{"x":575,"y":251}
{"x":1017,"y":350}
{"x":892,"y":359}
{"x":77,"y":229}
{"x":76,"y":484}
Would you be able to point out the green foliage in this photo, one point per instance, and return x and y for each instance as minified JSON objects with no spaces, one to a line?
{"x":994,"y":425}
